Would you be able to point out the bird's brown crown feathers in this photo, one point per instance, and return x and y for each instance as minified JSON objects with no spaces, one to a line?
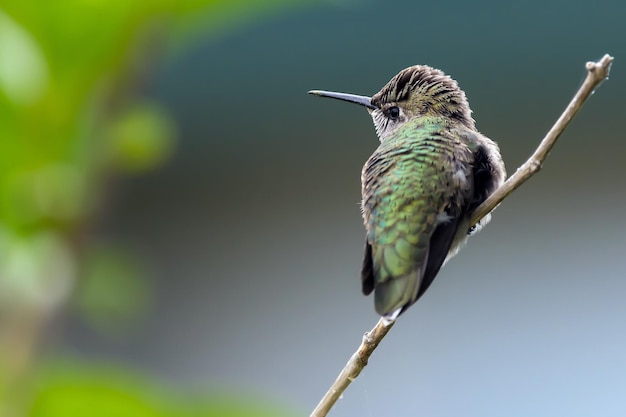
{"x":428,"y":91}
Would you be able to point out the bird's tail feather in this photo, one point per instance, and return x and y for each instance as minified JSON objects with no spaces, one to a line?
{"x":395,"y":293}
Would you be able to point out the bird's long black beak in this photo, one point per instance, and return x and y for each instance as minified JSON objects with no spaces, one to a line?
{"x":352,"y":98}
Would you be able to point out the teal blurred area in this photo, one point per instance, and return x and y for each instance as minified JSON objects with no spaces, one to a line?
{"x":248,"y":240}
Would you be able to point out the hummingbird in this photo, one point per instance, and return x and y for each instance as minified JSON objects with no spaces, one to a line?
{"x":421,"y":185}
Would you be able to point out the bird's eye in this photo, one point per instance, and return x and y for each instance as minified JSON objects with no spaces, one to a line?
{"x":393,"y":112}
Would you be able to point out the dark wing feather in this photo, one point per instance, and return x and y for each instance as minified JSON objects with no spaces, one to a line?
{"x":367,"y":271}
{"x":440,"y":244}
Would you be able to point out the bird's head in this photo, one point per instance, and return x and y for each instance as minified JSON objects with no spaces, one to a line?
{"x":415,"y":92}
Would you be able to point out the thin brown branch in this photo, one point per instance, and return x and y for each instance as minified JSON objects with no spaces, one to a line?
{"x":596,"y":73}
{"x":353,"y":368}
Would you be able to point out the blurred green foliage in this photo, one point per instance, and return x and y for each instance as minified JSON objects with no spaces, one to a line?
{"x":141,"y":139}
{"x":72,"y":121}
{"x":113,"y":293}
{"x":71,"y":390}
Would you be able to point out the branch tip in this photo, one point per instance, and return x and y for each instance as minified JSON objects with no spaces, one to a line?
{"x":603,"y":66}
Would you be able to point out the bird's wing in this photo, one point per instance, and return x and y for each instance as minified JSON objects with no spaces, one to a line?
{"x":413,"y":204}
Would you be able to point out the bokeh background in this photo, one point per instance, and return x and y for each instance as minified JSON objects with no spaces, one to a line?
{"x":179,"y":223}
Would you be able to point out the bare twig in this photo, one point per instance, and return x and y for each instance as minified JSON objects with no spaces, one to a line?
{"x":596,"y":73}
{"x":353,"y":368}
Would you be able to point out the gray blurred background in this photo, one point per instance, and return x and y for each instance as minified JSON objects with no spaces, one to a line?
{"x":254,"y":238}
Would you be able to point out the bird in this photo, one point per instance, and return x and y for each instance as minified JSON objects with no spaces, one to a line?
{"x":431,"y":170}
